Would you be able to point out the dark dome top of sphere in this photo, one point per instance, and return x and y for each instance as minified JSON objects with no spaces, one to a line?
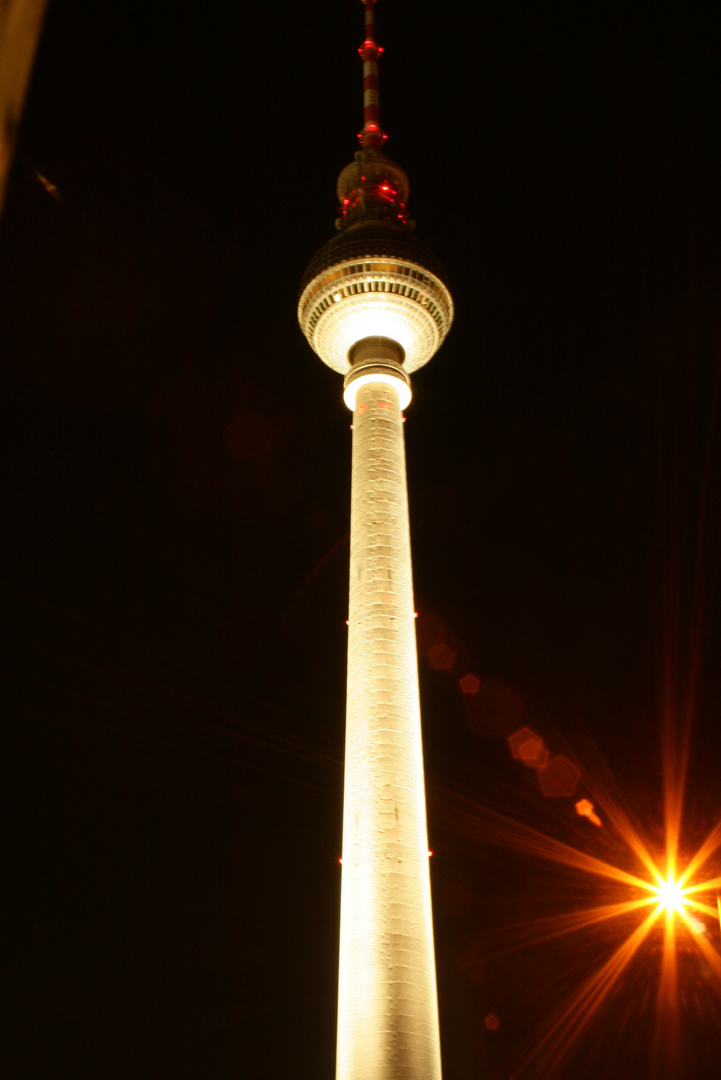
{"x":373,"y":241}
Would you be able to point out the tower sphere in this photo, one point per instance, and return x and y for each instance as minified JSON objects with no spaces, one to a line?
{"x":374,"y":280}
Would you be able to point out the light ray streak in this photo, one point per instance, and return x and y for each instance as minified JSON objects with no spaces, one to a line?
{"x":552,"y":1048}
{"x":687,"y":531}
{"x":536,"y":931}
{"x":700,"y":886}
{"x":710,"y":955}
{"x":615,"y":815}
{"x":666,"y":1040}
{"x":704,"y":853}
{"x":705,"y":909}
{"x":481,"y":823}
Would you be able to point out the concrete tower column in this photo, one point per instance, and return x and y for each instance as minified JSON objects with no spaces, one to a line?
{"x":375,"y":308}
{"x":387,"y":1008}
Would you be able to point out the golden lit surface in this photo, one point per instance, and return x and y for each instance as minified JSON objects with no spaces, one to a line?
{"x":351,"y":301}
{"x":401,"y":388}
{"x":387,"y":1010}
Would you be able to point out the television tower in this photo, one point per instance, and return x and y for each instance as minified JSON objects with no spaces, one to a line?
{"x":373,"y":305}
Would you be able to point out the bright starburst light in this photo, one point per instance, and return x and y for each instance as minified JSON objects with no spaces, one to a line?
{"x":633,"y":919}
{"x":608,"y":963}
{"x":671,"y":896}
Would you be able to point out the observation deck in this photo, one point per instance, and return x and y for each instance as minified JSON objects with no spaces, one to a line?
{"x":373,"y":280}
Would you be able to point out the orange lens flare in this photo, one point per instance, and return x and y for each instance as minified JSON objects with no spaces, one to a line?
{"x":631,"y":920}
{"x":671,"y":897}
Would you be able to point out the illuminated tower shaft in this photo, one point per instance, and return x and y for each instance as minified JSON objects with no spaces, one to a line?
{"x":374,"y":306}
{"x":387,"y":1011}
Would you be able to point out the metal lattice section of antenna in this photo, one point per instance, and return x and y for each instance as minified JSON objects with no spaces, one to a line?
{"x":372,"y":136}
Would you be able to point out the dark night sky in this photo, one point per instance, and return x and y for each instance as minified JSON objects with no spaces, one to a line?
{"x":176,"y":486}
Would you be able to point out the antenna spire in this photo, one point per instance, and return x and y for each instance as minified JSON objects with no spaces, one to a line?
{"x":372,"y":188}
{"x":372,"y":135}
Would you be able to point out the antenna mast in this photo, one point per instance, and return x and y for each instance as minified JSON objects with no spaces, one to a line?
{"x":372,"y":136}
